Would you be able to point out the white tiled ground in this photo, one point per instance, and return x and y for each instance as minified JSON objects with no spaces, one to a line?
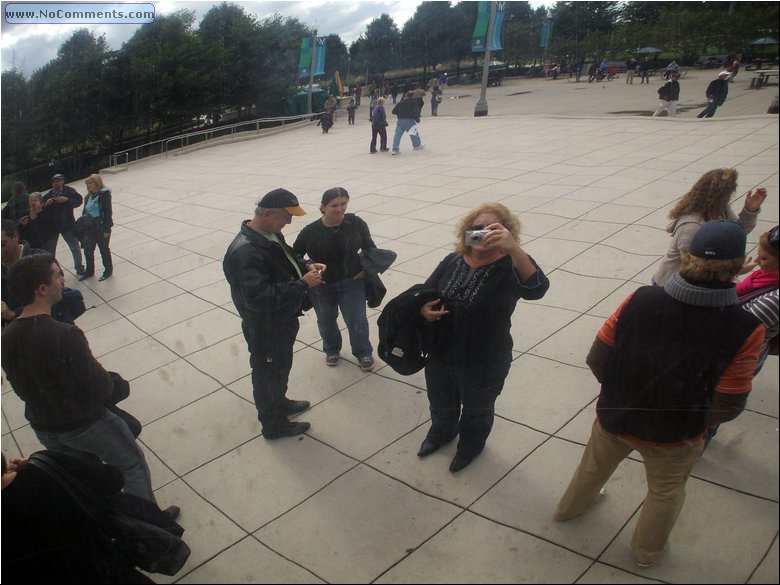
{"x":350,"y":501}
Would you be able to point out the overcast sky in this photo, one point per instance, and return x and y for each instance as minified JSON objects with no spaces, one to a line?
{"x":30,"y":46}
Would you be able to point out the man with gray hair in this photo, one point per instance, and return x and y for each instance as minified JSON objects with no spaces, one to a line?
{"x":269,"y":285}
{"x":672,"y":362}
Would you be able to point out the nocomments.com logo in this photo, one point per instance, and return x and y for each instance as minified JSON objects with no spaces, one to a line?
{"x":78,"y":13}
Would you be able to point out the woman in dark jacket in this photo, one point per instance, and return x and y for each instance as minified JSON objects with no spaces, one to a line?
{"x":335,"y":240}
{"x":98,"y":205}
{"x":378,"y":125}
{"x":479,"y":286}
{"x":37,"y":228}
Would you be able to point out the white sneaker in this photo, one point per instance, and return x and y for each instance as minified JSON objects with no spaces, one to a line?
{"x":419,"y":147}
{"x":396,"y":152}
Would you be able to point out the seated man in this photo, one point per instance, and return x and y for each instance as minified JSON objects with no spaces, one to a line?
{"x":64,"y":391}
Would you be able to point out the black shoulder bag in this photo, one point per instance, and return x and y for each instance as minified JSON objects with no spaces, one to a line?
{"x":135,"y":528}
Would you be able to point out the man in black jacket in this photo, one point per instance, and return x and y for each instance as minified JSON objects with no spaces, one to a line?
{"x":60,"y":203}
{"x":669,"y":94}
{"x":408,"y":112}
{"x":717,"y":91}
{"x":268,"y":285}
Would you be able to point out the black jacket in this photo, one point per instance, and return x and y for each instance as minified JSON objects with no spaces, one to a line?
{"x":63,"y":212}
{"x":264,"y":285}
{"x":670,"y":91}
{"x":718,"y":90}
{"x":106,"y":209}
{"x":408,"y":108}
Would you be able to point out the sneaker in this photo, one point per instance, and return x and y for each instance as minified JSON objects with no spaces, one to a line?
{"x":396,"y":152}
{"x":367,"y":363}
{"x":372,"y":152}
{"x":383,"y":149}
{"x":292,"y":429}
{"x":422,"y":146}
{"x":332,"y":360}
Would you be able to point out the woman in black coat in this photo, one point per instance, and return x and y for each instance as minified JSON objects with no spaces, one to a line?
{"x":98,"y":205}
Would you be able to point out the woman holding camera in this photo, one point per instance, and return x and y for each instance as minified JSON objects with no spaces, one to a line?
{"x":479,"y":285}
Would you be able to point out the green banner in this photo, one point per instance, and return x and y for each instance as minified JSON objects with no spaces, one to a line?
{"x":478,"y":39}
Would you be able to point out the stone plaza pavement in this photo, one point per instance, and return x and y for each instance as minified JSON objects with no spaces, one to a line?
{"x":349,"y":502}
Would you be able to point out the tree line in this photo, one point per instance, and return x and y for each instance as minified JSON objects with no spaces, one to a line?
{"x":90,"y":99}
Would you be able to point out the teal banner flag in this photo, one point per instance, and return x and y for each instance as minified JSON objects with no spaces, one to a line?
{"x":304,"y":63}
{"x":546,"y":33}
{"x":319,"y":57}
{"x":479,"y":38}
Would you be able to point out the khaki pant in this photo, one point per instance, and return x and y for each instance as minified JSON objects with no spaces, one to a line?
{"x":667,"y":470}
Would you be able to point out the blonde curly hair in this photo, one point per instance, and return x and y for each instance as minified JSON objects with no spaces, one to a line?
{"x":505,"y":218}
{"x":709,"y":197}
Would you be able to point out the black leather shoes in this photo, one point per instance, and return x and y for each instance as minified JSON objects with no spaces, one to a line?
{"x":85,"y":276}
{"x":292,"y":429}
{"x":427,"y":448}
{"x":460,"y":462}
{"x":172,"y":512}
{"x":104,"y":277}
{"x":296,"y":406}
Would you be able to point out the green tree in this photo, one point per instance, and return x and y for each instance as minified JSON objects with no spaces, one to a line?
{"x":336,"y":57}
{"x":279,"y":50}
{"x":425,"y":37}
{"x":68,"y":96}
{"x":15,"y":112}
{"x":231,"y":45}
{"x":382,"y":44}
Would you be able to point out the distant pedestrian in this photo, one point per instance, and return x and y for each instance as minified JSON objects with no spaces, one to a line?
{"x":378,"y":127}
{"x":408,"y":112}
{"x":436,"y":99}
{"x":351,"y":112}
{"x":669,"y":94}
{"x":644,"y":71}
{"x":717,"y":91}
{"x":358,"y":93}
{"x":630,"y":66}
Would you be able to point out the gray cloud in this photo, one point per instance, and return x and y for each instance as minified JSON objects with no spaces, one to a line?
{"x":29,"y":47}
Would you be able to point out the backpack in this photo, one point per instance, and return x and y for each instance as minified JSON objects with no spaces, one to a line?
{"x":404,"y":340}
{"x":71,"y":307}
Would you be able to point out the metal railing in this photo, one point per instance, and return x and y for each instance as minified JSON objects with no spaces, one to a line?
{"x":163,"y":146}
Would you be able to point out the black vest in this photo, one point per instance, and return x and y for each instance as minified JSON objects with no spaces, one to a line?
{"x":666,"y":363}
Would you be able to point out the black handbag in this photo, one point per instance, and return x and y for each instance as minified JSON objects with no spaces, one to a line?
{"x":133,"y":527}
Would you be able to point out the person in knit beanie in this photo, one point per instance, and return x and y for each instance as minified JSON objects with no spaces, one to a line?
{"x":672,"y":362}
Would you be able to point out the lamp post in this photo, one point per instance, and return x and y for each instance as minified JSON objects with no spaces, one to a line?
{"x":481,"y":109}
{"x":311,"y":69}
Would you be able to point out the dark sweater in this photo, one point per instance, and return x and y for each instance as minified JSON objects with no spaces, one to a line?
{"x":51,"y":368}
{"x":336,"y":248}
{"x":672,"y":345}
{"x":476,"y":332}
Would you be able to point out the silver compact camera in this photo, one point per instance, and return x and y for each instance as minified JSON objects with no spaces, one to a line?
{"x":475,"y":236}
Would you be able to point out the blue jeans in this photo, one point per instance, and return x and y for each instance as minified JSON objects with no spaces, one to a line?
{"x":709,"y":111}
{"x":111,"y":440}
{"x":403,"y":125}
{"x":75,"y":248}
{"x":349,"y":295}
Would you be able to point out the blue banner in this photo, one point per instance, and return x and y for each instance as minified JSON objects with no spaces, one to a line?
{"x":319,"y":57}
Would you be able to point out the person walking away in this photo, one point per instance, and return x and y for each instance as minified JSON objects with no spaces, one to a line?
{"x":717,"y":92}
{"x":379,"y":127}
{"x":669,"y":94}
{"x":351,"y":112}
{"x":671,"y":361}
{"x":436,"y":99}
{"x":630,"y":65}
{"x":408,"y":113}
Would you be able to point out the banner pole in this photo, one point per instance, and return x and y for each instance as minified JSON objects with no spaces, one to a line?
{"x":481,"y":109}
